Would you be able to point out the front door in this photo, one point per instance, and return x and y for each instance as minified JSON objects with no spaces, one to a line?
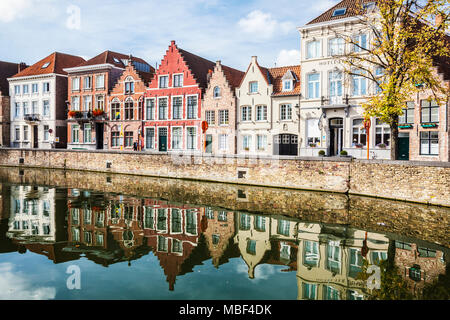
{"x":285,"y":145}
{"x":35,"y":137}
{"x":162,"y":139}
{"x":99,"y":135}
{"x":208,"y":148}
{"x":336,"y":136}
{"x":403,"y":148}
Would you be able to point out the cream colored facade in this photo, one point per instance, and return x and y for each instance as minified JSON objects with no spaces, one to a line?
{"x":329,"y":261}
{"x":267,"y":121}
{"x":331,"y":101}
{"x":248,"y":126}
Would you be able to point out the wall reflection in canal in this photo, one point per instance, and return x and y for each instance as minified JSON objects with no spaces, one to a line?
{"x":67,"y":224}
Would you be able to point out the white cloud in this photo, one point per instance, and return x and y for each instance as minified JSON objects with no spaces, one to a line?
{"x":13,"y":286}
{"x":12,"y":9}
{"x":288,"y":58}
{"x":262,"y":26}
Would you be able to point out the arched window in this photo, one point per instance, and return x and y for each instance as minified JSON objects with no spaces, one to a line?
{"x":129,"y":112}
{"x":115,"y":109}
{"x":129,"y":85}
{"x":216,"y":92}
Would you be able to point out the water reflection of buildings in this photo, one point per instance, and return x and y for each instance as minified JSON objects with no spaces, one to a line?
{"x":66,"y":224}
{"x":264,"y":239}
{"x":330,"y":260}
{"x":419,"y":263}
{"x":107,"y":231}
{"x":173,"y":232}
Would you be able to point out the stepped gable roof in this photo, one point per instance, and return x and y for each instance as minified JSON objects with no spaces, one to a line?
{"x":353,"y":8}
{"x":277,"y":75}
{"x":7,"y":70}
{"x":199,"y":66}
{"x":54,"y":63}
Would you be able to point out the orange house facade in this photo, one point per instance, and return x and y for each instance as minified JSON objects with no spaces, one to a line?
{"x":173,"y":102}
{"x":125,"y":109}
{"x":89,"y":86}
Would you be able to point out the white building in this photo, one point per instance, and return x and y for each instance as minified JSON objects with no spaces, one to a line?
{"x":267,"y":110}
{"x":32,"y":213}
{"x":331,"y":100}
{"x":38,"y":103}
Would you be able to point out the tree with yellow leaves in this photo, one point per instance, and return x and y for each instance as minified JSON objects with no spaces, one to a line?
{"x":408,"y":39}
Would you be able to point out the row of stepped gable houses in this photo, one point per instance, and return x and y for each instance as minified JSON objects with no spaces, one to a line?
{"x":116,"y":101}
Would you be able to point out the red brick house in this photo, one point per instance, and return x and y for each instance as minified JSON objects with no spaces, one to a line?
{"x":125,"y":108}
{"x":173,"y":232}
{"x":89,"y":85}
{"x":173,"y":102}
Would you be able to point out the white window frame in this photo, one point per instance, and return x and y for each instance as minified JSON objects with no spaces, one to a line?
{"x":187,"y":107}
{"x":263,"y":109}
{"x":159,"y":81}
{"x":187,"y":137}
{"x":316,"y":86}
{"x":318,"y":49}
{"x":336,"y":46}
{"x":250,"y":87}
{"x":288,"y":112}
{"x":182,"y":80}
{"x":223,"y":142}
{"x":76,"y":84}
{"x":248,"y":113}
{"x":181,"y":107}
{"x":222,"y":116}
{"x":154,"y":109}
{"x":167,"y":108}
{"x":180,"y":141}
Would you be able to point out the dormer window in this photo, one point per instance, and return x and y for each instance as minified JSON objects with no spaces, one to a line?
{"x":339,"y":12}
{"x":287,"y":85}
{"x":216,"y":92}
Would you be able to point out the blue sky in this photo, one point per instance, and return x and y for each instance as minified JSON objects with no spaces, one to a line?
{"x":231,"y":31}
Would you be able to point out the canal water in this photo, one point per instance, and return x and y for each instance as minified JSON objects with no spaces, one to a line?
{"x":73,"y":235}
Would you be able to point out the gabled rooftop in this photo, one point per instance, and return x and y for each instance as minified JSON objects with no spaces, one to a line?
{"x":233,"y":76}
{"x":278,"y":74}
{"x":54,"y":63}
{"x":199,"y":66}
{"x":116,"y":59}
{"x":343,"y":9}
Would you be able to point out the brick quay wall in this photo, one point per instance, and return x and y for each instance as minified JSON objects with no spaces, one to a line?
{"x":401,"y":220}
{"x":422,"y":182}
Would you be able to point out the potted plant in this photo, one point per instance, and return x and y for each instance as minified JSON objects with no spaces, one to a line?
{"x":71,"y":113}
{"x":359,"y":145}
{"x":381,"y":146}
{"x":322,"y":153}
{"x":343,"y":153}
{"x":98,"y":112}
{"x":312,"y":145}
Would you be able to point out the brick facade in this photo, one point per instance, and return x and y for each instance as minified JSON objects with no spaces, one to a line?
{"x":161,"y":121}
{"x":220,"y":99}
{"x":125,"y":127}
{"x":420,"y":126}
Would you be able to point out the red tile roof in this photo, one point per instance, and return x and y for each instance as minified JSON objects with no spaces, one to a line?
{"x":57,"y":62}
{"x":276,"y":75}
{"x":353,"y":9}
{"x":199,"y":66}
{"x":110,"y":58}
{"x":233,"y":76}
{"x":7,"y":70}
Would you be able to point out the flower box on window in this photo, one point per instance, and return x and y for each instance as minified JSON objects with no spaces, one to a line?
{"x":405,"y":126}
{"x":98,"y":112}
{"x":359,"y":145}
{"x":381,"y":146}
{"x":429,"y":125}
{"x":312,"y":145}
{"x":247,"y":149}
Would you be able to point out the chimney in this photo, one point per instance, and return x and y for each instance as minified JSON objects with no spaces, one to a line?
{"x":209,"y":75}
{"x":21,"y":66}
{"x":172,"y":42}
{"x":254,"y":59}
